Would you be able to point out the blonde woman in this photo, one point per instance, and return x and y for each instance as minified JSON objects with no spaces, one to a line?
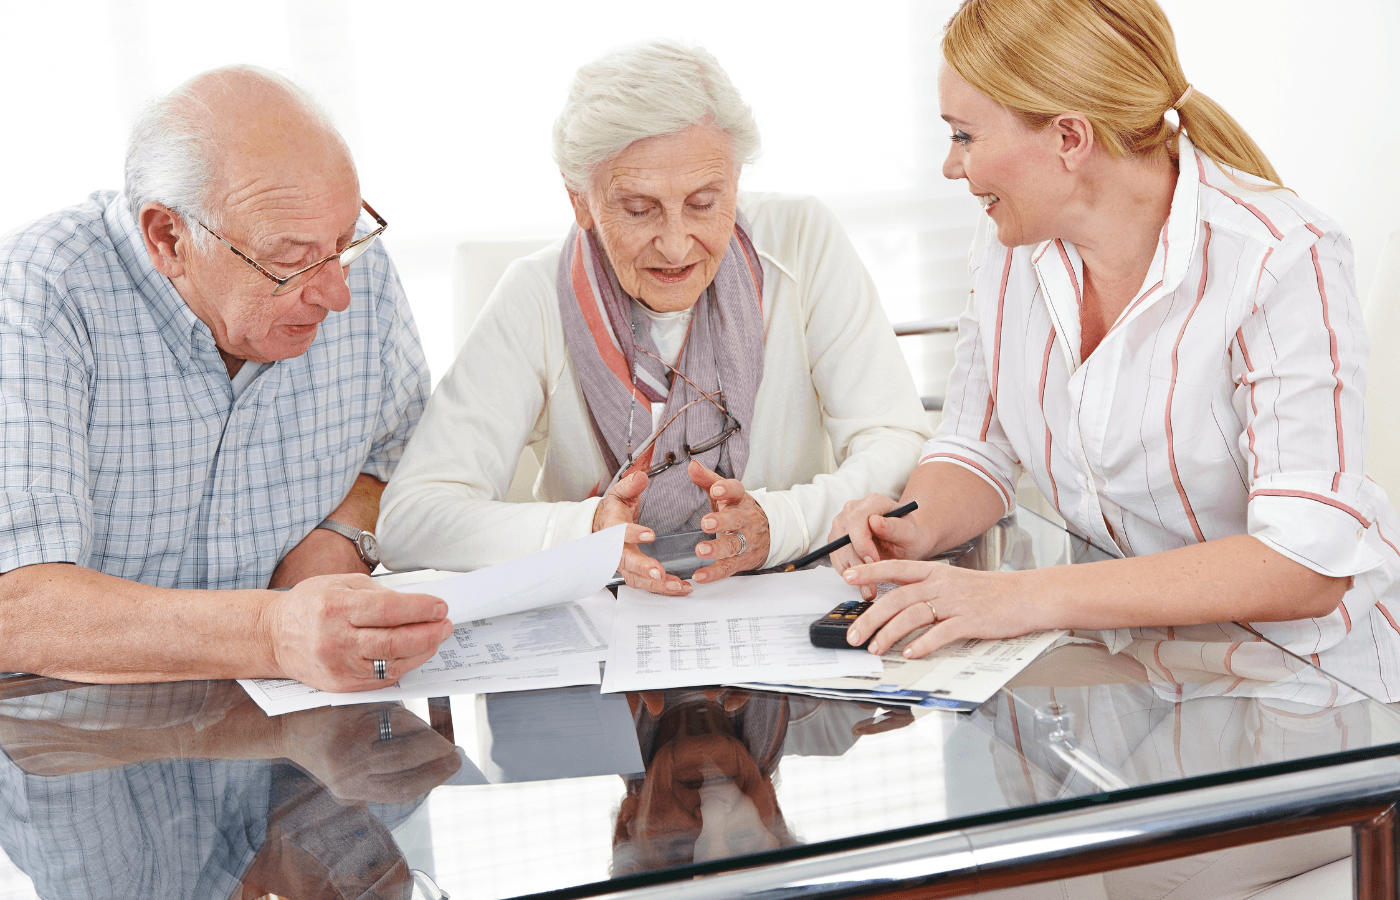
{"x":1169,"y":343}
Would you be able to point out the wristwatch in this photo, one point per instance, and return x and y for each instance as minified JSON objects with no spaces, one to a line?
{"x":364,"y":541}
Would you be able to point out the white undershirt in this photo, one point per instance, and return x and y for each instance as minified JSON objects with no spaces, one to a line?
{"x":244,"y":377}
{"x":668,"y":330}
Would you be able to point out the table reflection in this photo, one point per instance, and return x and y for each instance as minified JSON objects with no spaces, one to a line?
{"x":188,"y":790}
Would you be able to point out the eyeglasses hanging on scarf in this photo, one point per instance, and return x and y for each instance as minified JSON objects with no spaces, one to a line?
{"x":730,"y":427}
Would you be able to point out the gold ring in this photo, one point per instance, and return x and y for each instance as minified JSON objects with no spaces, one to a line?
{"x":933,"y":612}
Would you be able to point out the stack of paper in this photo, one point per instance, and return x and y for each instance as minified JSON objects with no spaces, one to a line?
{"x":960,"y":676}
{"x":520,"y":625}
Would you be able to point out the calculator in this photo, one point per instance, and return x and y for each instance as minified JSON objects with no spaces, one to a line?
{"x":830,"y":629}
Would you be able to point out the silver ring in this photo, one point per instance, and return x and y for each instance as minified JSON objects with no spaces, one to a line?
{"x":933,"y":612}
{"x":743,"y":542}
{"x":386,"y":729}
{"x":381,"y":669}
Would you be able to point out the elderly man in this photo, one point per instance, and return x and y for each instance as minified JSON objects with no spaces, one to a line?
{"x":180,"y":412}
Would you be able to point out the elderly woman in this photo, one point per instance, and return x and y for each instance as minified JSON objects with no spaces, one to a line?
{"x":1171,"y":346}
{"x":687,"y":357}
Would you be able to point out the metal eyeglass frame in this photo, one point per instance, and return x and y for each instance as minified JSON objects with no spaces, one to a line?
{"x":301,"y":276}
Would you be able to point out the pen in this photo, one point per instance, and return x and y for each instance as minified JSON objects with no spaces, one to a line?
{"x":845,"y":539}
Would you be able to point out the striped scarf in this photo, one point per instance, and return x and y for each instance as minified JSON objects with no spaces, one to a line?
{"x":620,"y":383}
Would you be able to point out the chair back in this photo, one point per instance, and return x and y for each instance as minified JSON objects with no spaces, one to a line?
{"x":1383,"y":374}
{"x":477,"y":268}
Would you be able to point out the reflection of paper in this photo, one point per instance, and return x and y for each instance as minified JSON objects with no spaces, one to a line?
{"x":277,"y":696}
{"x":557,"y":575}
{"x":958,"y":676}
{"x":565,"y":733}
{"x":519,"y":641}
{"x":751,"y":628}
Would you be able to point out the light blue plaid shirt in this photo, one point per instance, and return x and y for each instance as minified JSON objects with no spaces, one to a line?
{"x":122,"y":447}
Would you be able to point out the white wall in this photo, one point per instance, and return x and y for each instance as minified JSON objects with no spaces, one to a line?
{"x":448,"y":108}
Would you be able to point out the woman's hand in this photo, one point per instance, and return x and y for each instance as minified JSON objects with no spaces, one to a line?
{"x":735,"y":513}
{"x":958,"y":603}
{"x":619,"y":507}
{"x":874,"y":537}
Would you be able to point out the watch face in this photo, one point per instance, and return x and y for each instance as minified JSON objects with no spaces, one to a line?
{"x":369,"y":549}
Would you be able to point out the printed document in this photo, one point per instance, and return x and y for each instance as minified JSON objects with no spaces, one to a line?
{"x":511,"y":643}
{"x":959,"y":676}
{"x":747,"y":628}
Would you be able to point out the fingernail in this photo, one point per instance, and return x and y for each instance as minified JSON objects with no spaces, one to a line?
{"x":908,"y":652}
{"x":852,"y":638}
{"x":440,"y":611}
{"x":708,"y":525}
{"x":717,"y":491}
{"x":702,"y":576}
{"x":703,"y":550}
{"x":676,"y":587}
{"x":875,"y":649}
{"x":869,"y":560}
{"x":849,"y":574}
{"x":655,"y":573}
{"x":646,"y":536}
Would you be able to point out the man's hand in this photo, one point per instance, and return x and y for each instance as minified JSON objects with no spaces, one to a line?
{"x":619,"y":507}
{"x":734,"y":513}
{"x":327,"y":631}
{"x":875,"y":537}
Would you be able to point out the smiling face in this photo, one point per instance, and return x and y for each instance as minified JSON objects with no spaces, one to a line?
{"x":1015,"y":171}
{"x":664,"y":210}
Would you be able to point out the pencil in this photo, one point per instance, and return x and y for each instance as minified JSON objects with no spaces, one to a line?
{"x":845,"y":539}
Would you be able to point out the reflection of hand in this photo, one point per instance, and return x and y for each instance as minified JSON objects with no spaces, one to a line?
{"x":340,"y":746}
{"x":874,"y":537}
{"x":619,"y":507}
{"x":735,"y":513}
{"x":888,"y":720}
{"x":969,"y":604}
{"x":328,"y":630}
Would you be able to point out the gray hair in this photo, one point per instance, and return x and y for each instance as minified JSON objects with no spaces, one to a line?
{"x":170,"y":157}
{"x":646,"y":90}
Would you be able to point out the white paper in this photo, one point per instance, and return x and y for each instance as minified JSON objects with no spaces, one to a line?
{"x":520,"y":735}
{"x":747,"y":628}
{"x":557,"y":575}
{"x":512,"y":643}
{"x":960,"y":675}
{"x":278,"y":695}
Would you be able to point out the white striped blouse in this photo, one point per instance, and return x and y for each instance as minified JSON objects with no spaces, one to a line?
{"x":1228,"y":398}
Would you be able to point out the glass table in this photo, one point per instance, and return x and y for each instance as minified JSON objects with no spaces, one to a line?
{"x":1081,"y":764}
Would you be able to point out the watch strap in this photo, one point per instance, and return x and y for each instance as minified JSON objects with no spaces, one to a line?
{"x":352,"y":534}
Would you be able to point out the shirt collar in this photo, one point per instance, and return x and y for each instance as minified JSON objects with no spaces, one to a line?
{"x":184,"y":333}
{"x":1061,"y":271}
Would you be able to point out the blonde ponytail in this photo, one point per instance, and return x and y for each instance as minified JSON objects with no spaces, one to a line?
{"x":1112,"y":60}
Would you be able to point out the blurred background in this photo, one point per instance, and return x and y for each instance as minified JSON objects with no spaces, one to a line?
{"x":448,"y":109}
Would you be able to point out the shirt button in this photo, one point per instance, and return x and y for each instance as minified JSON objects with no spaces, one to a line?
{"x":224,"y":520}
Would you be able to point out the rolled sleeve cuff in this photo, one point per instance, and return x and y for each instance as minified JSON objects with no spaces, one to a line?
{"x":570,"y":521}
{"x":40,"y":528}
{"x":1328,"y":532}
{"x":788,"y":537}
{"x":989,"y":470}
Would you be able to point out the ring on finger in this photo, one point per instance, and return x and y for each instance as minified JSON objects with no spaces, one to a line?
{"x":932,"y":612}
{"x":381,"y":669}
{"x":743,"y":542}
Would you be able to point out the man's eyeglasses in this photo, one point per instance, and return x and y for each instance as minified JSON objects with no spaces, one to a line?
{"x":302,"y":276}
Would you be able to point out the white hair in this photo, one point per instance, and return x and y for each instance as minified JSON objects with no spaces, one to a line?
{"x":170,"y":157}
{"x":646,"y":90}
